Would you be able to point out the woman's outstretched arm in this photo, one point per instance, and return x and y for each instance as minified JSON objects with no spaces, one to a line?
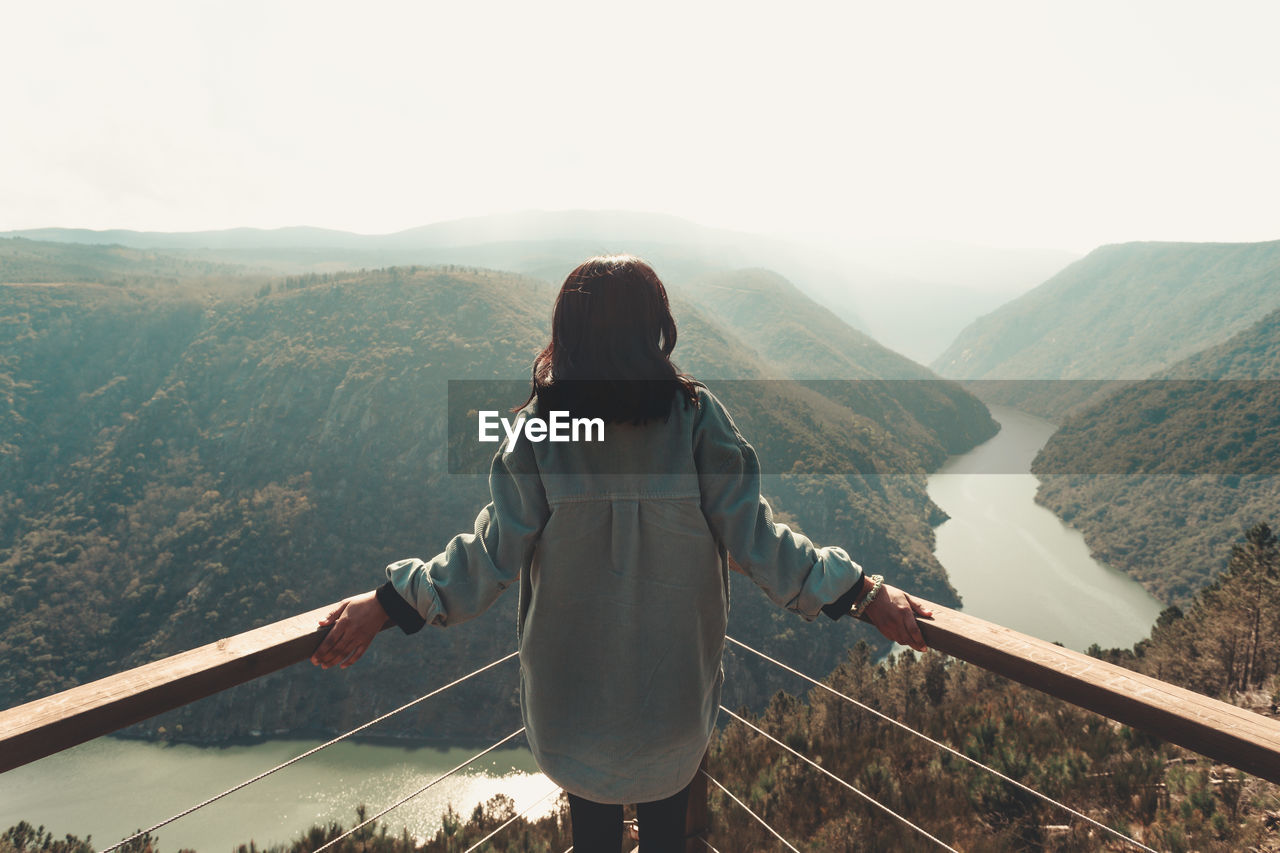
{"x":464,"y":579}
{"x":460,"y":582}
{"x":892,"y":612}
{"x":791,"y":570}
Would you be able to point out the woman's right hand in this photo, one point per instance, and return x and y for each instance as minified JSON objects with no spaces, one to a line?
{"x":893,"y":613}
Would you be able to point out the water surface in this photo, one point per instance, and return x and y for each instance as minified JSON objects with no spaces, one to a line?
{"x":108,"y":788}
{"x":1014,"y":562}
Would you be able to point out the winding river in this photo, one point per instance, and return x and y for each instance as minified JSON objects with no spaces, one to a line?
{"x":1012,"y":560}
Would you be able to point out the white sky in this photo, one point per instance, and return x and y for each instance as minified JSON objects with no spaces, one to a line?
{"x":1006,"y":124}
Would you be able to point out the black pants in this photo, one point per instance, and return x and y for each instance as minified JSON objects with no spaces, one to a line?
{"x":597,"y":828}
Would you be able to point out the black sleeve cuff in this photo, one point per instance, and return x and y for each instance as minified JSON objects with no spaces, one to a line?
{"x":400,"y":611}
{"x":842,"y":605}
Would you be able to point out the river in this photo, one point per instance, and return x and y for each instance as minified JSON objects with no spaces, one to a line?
{"x":1014,"y":562}
{"x":110,"y":788}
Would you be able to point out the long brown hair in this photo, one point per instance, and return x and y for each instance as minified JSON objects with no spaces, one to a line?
{"x":612,"y":334}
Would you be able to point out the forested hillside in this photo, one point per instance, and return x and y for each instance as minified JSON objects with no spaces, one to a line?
{"x":1166,"y":472}
{"x":182,"y":466}
{"x":1122,"y":312}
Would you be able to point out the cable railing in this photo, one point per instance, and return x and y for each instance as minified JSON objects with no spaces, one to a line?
{"x":310,"y":752}
{"x":746,"y":808}
{"x":936,"y":743}
{"x":556,"y":789}
{"x":1221,"y":731}
{"x":400,"y":802}
{"x":865,"y":797}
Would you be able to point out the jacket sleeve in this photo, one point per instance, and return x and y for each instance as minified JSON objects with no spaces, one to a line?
{"x":792,"y":571}
{"x":468,"y":576}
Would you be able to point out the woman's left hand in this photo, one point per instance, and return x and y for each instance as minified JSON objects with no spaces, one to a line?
{"x":355,"y":622}
{"x":894,"y":613}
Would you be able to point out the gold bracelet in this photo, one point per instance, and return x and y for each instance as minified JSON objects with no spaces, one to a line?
{"x":877,"y":581}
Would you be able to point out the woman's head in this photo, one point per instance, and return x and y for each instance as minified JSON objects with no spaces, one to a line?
{"x":611,"y":319}
{"x":612,"y":334}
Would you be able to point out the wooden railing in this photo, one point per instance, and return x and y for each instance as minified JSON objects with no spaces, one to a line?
{"x":1218,"y":730}
{"x":32,"y":731}
{"x":1222,"y":732}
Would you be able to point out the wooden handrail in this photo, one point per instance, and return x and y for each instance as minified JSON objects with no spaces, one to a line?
{"x":46,"y":726}
{"x":1223,"y":732}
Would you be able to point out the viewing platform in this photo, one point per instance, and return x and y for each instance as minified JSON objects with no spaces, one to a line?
{"x":1222,"y":732}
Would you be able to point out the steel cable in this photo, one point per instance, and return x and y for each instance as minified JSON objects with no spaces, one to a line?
{"x":873,"y":801}
{"x":513,"y":819}
{"x":951,"y":750}
{"x":398,"y":803}
{"x":748,"y":810}
{"x":246,"y":783}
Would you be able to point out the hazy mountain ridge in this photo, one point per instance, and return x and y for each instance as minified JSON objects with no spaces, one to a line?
{"x":1206,"y":450}
{"x":802,"y":337}
{"x":914,"y":296}
{"x":29,"y":261}
{"x":1124,"y":311}
{"x":807,"y":341}
{"x":268,"y":454}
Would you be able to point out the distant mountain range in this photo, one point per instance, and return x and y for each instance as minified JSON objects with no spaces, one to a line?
{"x":913,"y":297}
{"x":30,"y":261}
{"x":186,"y":452}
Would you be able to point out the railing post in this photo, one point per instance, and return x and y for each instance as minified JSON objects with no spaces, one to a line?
{"x":696,"y":824}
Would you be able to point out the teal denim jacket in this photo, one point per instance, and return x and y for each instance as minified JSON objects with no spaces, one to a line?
{"x":621,"y":551}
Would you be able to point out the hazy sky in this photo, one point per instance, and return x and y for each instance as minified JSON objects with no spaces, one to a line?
{"x":1006,"y":124}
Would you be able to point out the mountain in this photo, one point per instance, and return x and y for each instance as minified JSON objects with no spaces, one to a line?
{"x":1166,"y":472}
{"x":183,"y":463}
{"x":540,"y":243}
{"x":913,"y":296}
{"x":521,"y":227}
{"x":917,"y":296}
{"x":1122,"y":312}
{"x":804,"y":340}
{"x":29,"y":261}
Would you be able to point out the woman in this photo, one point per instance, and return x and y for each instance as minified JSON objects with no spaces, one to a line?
{"x":622,"y":551}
